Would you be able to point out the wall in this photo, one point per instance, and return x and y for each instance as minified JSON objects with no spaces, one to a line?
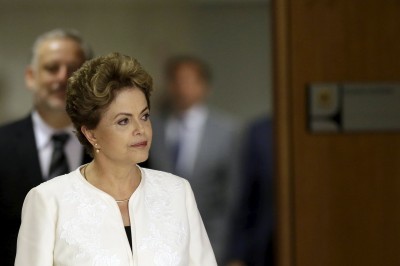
{"x":233,"y":36}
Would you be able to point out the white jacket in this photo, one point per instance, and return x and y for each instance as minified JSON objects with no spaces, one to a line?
{"x":67,"y":221}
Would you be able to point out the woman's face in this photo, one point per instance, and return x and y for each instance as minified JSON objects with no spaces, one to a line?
{"x":124,"y":132}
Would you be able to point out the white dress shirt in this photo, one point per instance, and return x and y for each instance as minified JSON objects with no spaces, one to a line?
{"x":68,"y":221}
{"x":189,"y":129}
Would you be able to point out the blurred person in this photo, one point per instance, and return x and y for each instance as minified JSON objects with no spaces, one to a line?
{"x":199,"y":143}
{"x":26,"y":146}
{"x":252,"y":231}
{"x":111,"y":211}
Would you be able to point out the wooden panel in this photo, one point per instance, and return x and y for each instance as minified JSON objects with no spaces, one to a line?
{"x":345,"y":187}
{"x":282,"y":113}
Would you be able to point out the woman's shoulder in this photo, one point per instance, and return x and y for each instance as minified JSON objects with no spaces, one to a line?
{"x":166,"y":180}
{"x":153,"y":174}
{"x":54,"y":185}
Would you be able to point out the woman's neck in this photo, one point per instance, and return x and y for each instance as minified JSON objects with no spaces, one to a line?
{"x":117,"y":181}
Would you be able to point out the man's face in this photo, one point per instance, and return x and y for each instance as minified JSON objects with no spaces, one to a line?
{"x":187,"y":87}
{"x":47,"y":78}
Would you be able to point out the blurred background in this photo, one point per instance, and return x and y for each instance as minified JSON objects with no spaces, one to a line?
{"x":233,"y":36}
{"x":339,"y":193}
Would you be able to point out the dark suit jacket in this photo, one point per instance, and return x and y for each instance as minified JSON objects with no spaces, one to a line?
{"x":19,"y":172}
{"x":252,"y":231}
{"x":215,"y":174}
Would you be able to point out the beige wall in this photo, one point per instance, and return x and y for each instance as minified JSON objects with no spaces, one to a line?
{"x":233,"y":37}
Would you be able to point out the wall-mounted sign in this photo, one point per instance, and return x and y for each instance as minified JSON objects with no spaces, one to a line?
{"x":353,"y":107}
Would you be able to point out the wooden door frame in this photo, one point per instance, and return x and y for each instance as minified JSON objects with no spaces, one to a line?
{"x":282,"y":130}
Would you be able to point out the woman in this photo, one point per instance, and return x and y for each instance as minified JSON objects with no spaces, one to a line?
{"x":79,"y":218}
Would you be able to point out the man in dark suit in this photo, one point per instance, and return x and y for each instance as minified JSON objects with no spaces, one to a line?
{"x":252,"y":231}
{"x":207,"y":141}
{"x":26,"y":145}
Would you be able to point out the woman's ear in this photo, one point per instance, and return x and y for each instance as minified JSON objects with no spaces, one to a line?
{"x":89,"y":134}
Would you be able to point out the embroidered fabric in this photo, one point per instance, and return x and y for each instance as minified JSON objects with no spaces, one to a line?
{"x":165,"y":237}
{"x":163,"y":243}
{"x":82,"y":229}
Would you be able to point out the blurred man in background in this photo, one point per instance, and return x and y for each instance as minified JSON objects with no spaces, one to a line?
{"x":198,"y":143}
{"x":252,"y":232}
{"x":42,"y":144}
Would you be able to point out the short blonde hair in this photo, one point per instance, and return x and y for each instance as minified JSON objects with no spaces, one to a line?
{"x":59,"y":33}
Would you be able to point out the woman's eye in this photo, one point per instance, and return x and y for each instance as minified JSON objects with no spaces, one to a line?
{"x":146,"y":117}
{"x":123,"y":121}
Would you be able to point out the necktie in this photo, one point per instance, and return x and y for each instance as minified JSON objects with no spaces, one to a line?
{"x":58,"y":164}
{"x":177,"y":145}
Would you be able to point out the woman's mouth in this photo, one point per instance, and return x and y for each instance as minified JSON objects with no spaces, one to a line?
{"x":141,"y":144}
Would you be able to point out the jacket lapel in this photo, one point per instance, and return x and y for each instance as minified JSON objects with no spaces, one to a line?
{"x":27,"y":152}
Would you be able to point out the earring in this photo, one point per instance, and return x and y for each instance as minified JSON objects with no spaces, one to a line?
{"x":97,"y":149}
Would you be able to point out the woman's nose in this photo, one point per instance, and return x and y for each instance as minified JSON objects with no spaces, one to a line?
{"x":138,"y":128}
